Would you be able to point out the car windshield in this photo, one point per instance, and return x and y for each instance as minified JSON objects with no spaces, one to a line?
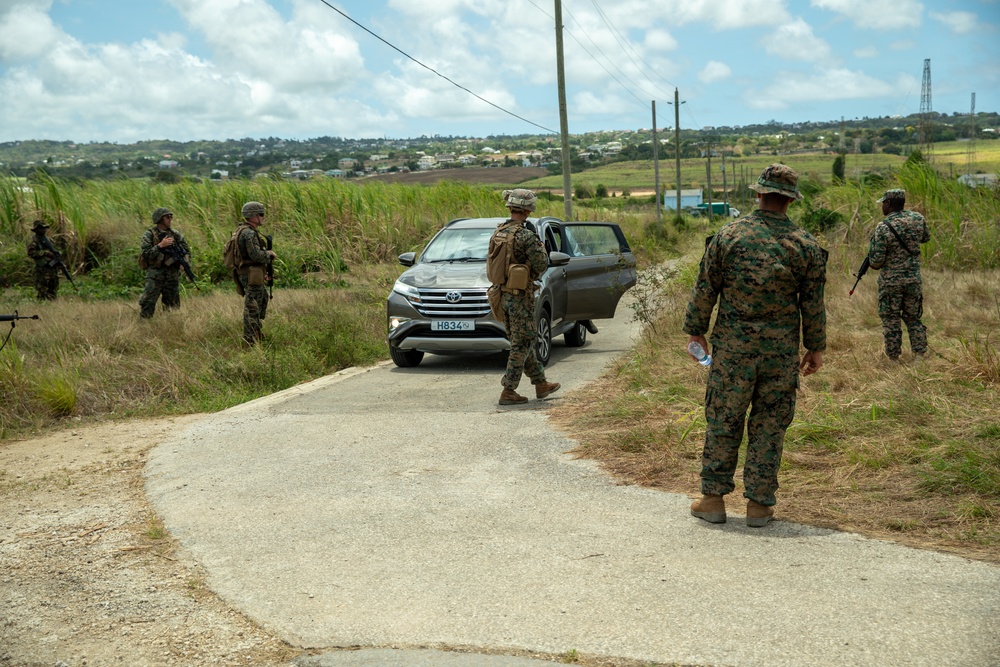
{"x":458,"y":245}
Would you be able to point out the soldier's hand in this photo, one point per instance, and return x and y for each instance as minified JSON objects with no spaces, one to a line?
{"x":811,"y":362}
{"x":166,"y":242}
{"x":271,"y":254}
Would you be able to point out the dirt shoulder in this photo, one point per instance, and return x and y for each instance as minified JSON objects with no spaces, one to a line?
{"x":88,"y":575}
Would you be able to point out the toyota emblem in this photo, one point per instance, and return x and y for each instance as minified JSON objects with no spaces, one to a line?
{"x":454,"y":296}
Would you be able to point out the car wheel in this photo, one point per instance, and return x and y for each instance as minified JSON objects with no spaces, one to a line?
{"x":576,"y":336}
{"x":543,"y":339}
{"x":405,"y":358}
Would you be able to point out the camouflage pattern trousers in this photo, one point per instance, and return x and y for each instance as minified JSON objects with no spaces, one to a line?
{"x":254,"y":311}
{"x":46,"y":282}
{"x":519,"y":318}
{"x":163,"y":283}
{"x":766,"y":385}
{"x":906,"y":303}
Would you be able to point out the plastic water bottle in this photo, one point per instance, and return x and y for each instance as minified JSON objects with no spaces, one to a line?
{"x":698,"y":352}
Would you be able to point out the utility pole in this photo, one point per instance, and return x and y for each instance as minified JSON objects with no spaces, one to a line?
{"x":563,"y":122}
{"x":924,"y":131}
{"x":970,"y":167}
{"x":708,"y":171}
{"x":725,"y":187}
{"x":656,"y":168}
{"x":677,"y":149}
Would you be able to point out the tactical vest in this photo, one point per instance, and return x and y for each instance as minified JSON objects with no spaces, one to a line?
{"x":500,"y":267}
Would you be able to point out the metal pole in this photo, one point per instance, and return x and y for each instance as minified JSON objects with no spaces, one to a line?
{"x":656,"y":168}
{"x":677,"y":148}
{"x":725,"y":187}
{"x":563,"y":122}
{"x":708,"y":171}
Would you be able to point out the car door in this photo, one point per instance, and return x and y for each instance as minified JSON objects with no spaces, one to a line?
{"x":600,"y":269}
{"x":553,"y":281}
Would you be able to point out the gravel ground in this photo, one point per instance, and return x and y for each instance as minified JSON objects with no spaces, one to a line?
{"x":87,"y":573}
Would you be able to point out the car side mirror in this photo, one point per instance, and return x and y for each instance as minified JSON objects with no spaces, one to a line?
{"x":407,"y":258}
{"x":557,"y":258}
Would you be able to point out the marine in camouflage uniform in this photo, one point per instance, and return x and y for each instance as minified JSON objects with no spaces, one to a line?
{"x":162,"y":270}
{"x":768,"y":277}
{"x":46,"y":274}
{"x":900,"y":288}
{"x":519,"y":305}
{"x":254,"y":260}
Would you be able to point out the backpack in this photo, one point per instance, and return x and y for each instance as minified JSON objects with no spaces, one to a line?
{"x":231,"y":251}
{"x":500,"y":269}
{"x":143,"y":259}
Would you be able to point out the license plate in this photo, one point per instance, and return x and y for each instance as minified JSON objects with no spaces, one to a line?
{"x":453,"y":325}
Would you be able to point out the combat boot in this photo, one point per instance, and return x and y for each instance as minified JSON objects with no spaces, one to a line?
{"x":758,"y":515}
{"x":511,"y":397}
{"x":710,"y":507}
{"x":543,"y":389}
{"x":591,"y":327}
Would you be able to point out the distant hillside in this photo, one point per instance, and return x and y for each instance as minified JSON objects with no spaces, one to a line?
{"x":498,"y":176}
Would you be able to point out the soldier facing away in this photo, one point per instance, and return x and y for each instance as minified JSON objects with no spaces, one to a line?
{"x":895,"y":252}
{"x":768,"y":277}
{"x":526,"y":260}
{"x":46,"y":272}
{"x":252,"y":263}
{"x":157,"y":249}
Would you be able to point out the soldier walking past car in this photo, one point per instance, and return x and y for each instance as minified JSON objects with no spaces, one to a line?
{"x":46,"y":269}
{"x":160,"y":250}
{"x":895,"y":252}
{"x":252,"y":262}
{"x":516,"y":258}
{"x":768,"y":277}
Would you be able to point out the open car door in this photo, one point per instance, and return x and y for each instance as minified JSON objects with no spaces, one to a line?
{"x":601,"y":268}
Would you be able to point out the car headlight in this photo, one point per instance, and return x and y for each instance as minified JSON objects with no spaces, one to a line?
{"x":409,"y":291}
{"x":396,"y":322}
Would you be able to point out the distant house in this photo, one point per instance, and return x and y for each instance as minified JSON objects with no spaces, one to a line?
{"x":426,"y":162}
{"x":978,"y":180}
{"x":445,"y":158}
{"x":335,"y":173}
{"x":691,"y":197}
{"x":166,"y":164}
{"x":346,"y":163}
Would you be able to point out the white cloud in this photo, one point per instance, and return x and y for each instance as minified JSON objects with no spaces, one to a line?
{"x":658,"y":39}
{"x":26,"y":31}
{"x":866,"y":52}
{"x":796,"y":41}
{"x":960,"y":23}
{"x":876,"y":14}
{"x":828,"y":86}
{"x":903,"y":45}
{"x":714,"y":71}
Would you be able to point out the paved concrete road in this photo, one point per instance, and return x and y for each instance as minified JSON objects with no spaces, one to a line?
{"x":402,"y":508}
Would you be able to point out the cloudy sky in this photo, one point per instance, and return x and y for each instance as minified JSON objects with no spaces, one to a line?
{"x":128,"y":70}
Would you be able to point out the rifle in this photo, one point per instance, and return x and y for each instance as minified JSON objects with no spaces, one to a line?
{"x":13,"y":321}
{"x":57,"y":259}
{"x":860,"y":274}
{"x":269,"y":279}
{"x":177,"y":253}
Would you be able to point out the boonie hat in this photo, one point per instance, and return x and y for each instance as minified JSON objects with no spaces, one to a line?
{"x":896,"y":194}
{"x":778,"y":179}
{"x":39,"y":224}
{"x":159,"y":213}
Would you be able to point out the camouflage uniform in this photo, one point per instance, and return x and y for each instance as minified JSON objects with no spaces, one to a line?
{"x":253,"y":253}
{"x":768,"y":277}
{"x":163,"y":272}
{"x":900,"y":292}
{"x":46,"y":275}
{"x":519,"y":309}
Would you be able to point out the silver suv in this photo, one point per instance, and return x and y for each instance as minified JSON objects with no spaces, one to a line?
{"x":439,"y":303}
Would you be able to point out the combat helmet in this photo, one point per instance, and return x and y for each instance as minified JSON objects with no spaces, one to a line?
{"x":38,"y":225}
{"x":252,"y":208}
{"x":159,"y":213}
{"x":520,"y":198}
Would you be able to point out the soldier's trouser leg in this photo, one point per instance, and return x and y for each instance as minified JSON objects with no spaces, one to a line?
{"x":151,"y":292}
{"x":890,"y":304}
{"x":171,"y":292}
{"x":736,"y":382}
{"x":519,"y":318}
{"x":911,"y":310}
{"x":771,"y":411}
{"x":46,"y":283}
{"x":254,"y":304}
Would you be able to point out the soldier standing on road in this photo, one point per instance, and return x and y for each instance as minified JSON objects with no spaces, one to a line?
{"x":895,"y":252}
{"x":768,"y":275}
{"x":46,"y":273}
{"x":252,"y":267}
{"x":523,"y":260}
{"x":162,"y":269}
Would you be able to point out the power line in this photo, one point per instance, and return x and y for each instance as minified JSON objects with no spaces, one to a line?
{"x":627,"y":46}
{"x":434,"y":71}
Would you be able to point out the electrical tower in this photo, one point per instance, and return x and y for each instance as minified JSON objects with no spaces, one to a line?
{"x":970,"y":167}
{"x":924,"y":132}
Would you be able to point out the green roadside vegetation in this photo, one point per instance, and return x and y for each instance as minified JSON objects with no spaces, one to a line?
{"x":907,"y":452}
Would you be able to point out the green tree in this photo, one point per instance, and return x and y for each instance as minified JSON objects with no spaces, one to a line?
{"x":838,"y":168}
{"x":601,"y":191}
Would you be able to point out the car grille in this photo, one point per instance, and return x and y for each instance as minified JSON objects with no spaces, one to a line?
{"x":472,"y":304}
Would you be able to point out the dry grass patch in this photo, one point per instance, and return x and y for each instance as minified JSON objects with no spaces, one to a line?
{"x":908,"y":452}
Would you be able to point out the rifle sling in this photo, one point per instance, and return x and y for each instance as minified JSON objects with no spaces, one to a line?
{"x":900,"y":239}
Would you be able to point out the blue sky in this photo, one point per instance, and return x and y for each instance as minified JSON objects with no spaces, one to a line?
{"x":129,"y":70}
